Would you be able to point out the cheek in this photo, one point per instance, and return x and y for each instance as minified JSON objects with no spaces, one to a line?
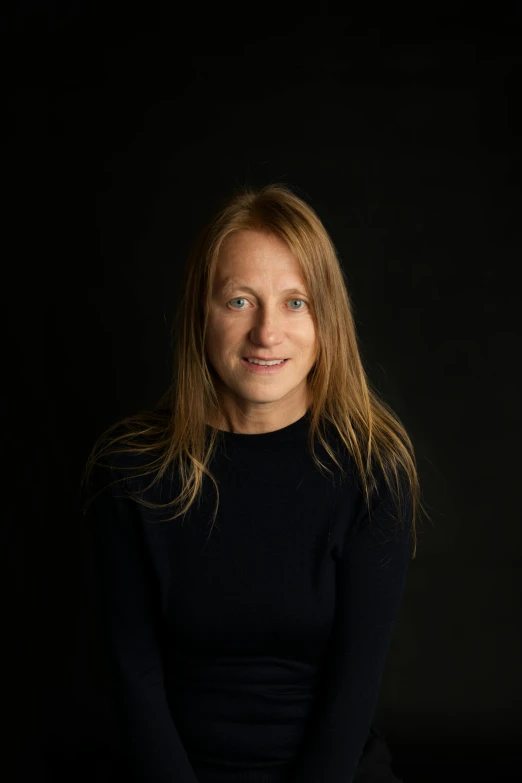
{"x":313,"y":342}
{"x":221,"y":335}
{"x":229,"y":328}
{"x":308,"y":334}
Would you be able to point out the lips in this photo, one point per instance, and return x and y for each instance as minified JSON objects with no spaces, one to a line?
{"x":263,"y":368}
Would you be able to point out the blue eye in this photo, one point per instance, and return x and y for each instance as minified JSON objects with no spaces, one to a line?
{"x":242,"y":298}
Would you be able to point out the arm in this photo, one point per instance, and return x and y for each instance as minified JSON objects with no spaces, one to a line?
{"x":371,"y":578}
{"x":152,"y":744}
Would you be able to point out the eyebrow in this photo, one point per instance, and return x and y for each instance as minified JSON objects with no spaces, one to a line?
{"x":230,"y":282}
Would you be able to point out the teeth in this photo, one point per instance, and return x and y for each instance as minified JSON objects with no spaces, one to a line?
{"x":268,"y":364}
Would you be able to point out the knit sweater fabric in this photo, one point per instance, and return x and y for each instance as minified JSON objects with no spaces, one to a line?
{"x":255,"y":654}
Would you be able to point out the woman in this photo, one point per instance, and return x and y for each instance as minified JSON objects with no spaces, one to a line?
{"x":255,"y":653}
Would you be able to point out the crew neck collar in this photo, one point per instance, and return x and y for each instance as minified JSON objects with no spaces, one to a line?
{"x":292,"y":433}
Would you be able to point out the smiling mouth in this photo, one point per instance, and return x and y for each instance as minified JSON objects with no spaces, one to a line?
{"x":269,"y":362}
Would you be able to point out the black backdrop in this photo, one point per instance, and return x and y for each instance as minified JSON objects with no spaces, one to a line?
{"x":400,"y":128}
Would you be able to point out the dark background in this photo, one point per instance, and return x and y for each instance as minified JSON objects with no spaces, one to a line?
{"x":400,"y":127}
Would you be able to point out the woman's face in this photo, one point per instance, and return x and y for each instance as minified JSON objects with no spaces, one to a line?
{"x":260,"y":308}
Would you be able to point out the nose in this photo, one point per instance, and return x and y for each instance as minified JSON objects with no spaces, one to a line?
{"x":267,"y":329}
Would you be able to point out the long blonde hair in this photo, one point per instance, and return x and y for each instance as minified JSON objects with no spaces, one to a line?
{"x":175,"y":431}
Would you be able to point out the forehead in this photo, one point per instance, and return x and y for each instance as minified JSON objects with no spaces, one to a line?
{"x":255,"y":242}
{"x":249,"y":253}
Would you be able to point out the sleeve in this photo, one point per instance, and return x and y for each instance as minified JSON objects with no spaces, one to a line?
{"x":371,"y":579}
{"x":151,"y":742}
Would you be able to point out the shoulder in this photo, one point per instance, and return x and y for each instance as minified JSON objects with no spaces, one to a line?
{"x":105,"y":479}
{"x":390,"y":504}
{"x":123,"y":457}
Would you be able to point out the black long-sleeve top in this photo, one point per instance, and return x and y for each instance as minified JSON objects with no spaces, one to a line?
{"x":255,"y":655}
